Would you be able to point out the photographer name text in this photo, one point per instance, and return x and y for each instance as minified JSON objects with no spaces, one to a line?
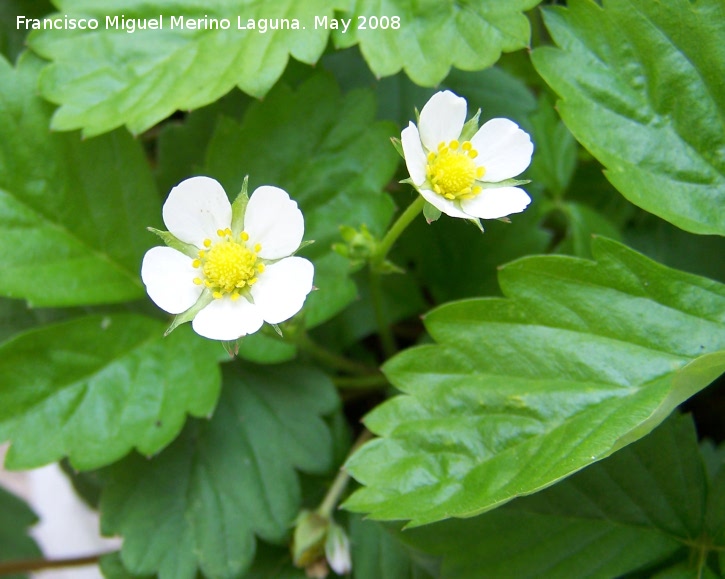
{"x":260,"y":25}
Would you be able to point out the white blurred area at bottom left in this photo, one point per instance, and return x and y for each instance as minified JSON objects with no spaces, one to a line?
{"x":67,"y":527}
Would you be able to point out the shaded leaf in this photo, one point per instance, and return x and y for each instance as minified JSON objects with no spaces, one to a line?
{"x":641,"y":89}
{"x":580,"y":360}
{"x":15,"y":518}
{"x":95,"y":387}
{"x":72,"y":212}
{"x":200,"y":503}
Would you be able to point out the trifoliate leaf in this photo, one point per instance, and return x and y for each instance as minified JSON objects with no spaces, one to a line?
{"x":15,"y":518}
{"x":105,"y":80}
{"x":72,"y":213}
{"x":581,"y":359}
{"x":200,"y":503}
{"x":95,"y":387}
{"x":641,"y":89}
{"x":427,"y":38}
{"x":332,"y":157}
{"x":632,"y":512}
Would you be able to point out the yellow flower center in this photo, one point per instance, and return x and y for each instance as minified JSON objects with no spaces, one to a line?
{"x":228,"y":266}
{"x":452,"y":172}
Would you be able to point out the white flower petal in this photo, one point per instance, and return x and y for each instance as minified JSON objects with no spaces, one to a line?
{"x":196,"y":208}
{"x":273,"y":220}
{"x":224,"y":319}
{"x":443,"y":204}
{"x":169,"y":279}
{"x":504,"y":150}
{"x":441,"y":119}
{"x":415,"y":158}
{"x":281,"y":290}
{"x":497,"y":202}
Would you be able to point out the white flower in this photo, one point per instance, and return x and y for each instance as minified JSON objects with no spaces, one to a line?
{"x":230,"y":274}
{"x":457,"y":177}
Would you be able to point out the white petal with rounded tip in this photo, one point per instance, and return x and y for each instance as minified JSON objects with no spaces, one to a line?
{"x":273,"y":220}
{"x":443,"y":204}
{"x":497,"y":202}
{"x":442,"y":119}
{"x":224,"y":319}
{"x":281,"y":290}
{"x":415,"y":158}
{"x":169,"y":279}
{"x":504,"y":150}
{"x":196,"y":208}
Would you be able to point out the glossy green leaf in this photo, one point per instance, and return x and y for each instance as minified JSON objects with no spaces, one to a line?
{"x":112,"y":568}
{"x":641,"y":89}
{"x":642,"y":507}
{"x":15,"y":519}
{"x":328,"y":152}
{"x":114,"y":78}
{"x":72,"y":213}
{"x":200,"y":503}
{"x":95,"y":387}
{"x":581,"y":359}
{"x":433,"y":36}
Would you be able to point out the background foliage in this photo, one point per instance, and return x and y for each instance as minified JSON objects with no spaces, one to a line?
{"x":541,"y":358}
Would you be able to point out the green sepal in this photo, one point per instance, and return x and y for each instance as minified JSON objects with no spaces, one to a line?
{"x":239,"y":208}
{"x":470,"y":128}
{"x":417,"y":116}
{"x":388,"y":266}
{"x":302,"y":246}
{"x":175,"y":243}
{"x":477,"y":223}
{"x":204,"y":300}
{"x":506,"y":183}
{"x":431,"y":213}
{"x":398,"y":146}
{"x":308,"y":542}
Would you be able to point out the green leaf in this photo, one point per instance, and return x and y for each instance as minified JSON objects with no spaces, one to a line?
{"x":95,"y":387}
{"x":112,"y":568}
{"x":72,"y":212}
{"x":629,"y":513}
{"x":434,"y":36}
{"x":640,"y":84}
{"x":582,"y":223}
{"x":496,"y":92}
{"x":441,"y":265}
{"x":555,"y":160}
{"x":581,"y":359}
{"x":12,"y":37}
{"x":15,"y":518}
{"x":328,"y":152}
{"x":377,"y":554}
{"x":200,"y":503}
{"x":105,"y":80}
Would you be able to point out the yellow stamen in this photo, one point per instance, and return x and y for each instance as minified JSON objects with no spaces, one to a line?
{"x":451,"y":171}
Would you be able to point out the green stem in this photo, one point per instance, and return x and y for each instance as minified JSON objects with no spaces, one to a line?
{"x":333,"y":495}
{"x":360,"y":382}
{"x":387,"y":340}
{"x":28,"y":565}
{"x":381,"y":251}
{"x":333,"y":360}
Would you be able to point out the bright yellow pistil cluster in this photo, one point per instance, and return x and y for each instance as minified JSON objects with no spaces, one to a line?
{"x":452,"y":172}
{"x":228,"y":266}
